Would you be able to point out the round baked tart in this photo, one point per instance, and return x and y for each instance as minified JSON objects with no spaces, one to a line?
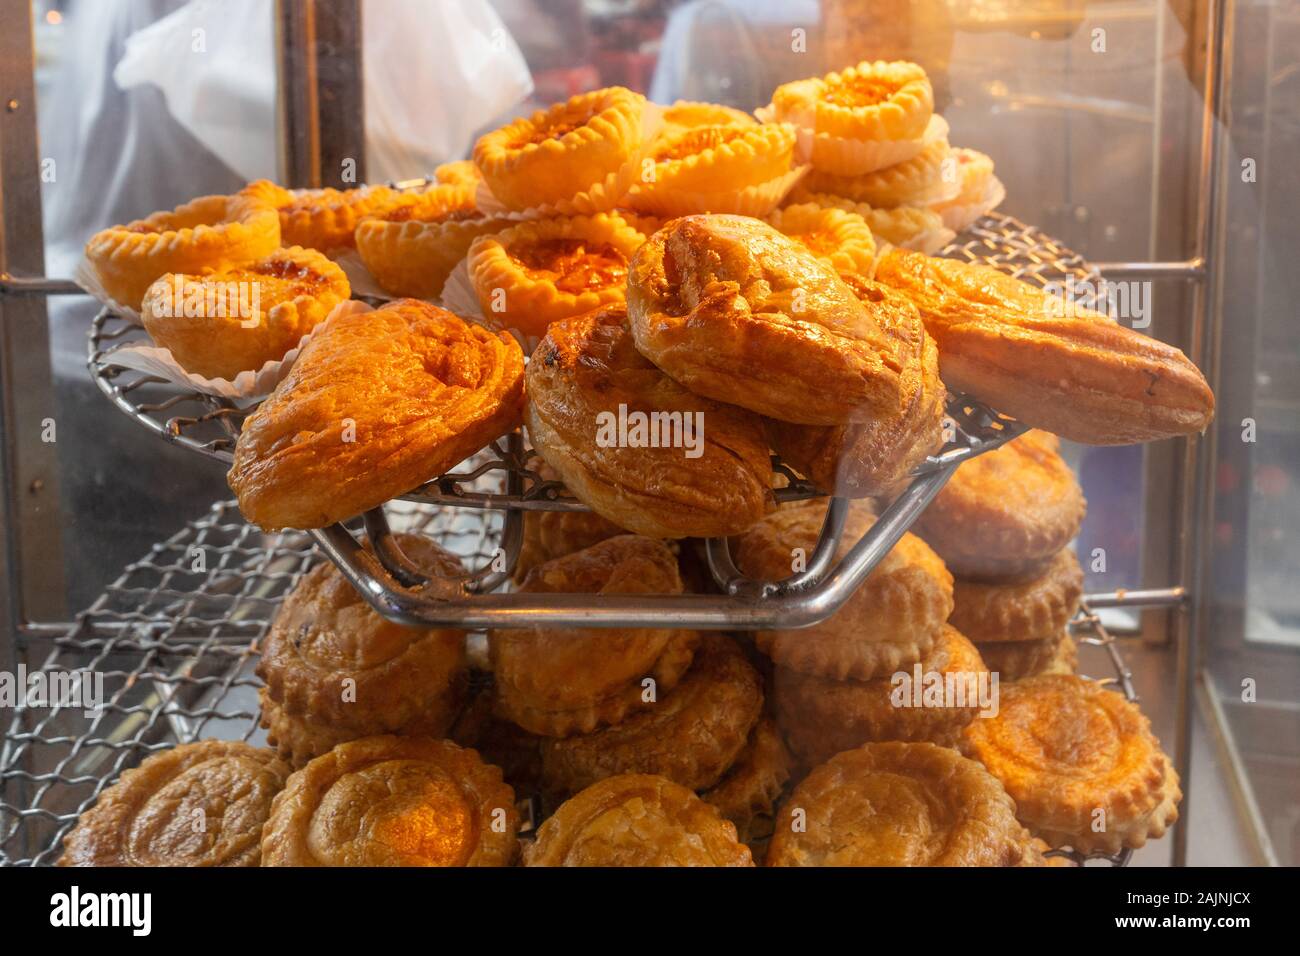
{"x":736,"y":168}
{"x":559,"y":153}
{"x":560,"y":681}
{"x":1007,"y":513}
{"x":1034,"y":609}
{"x":197,"y":804}
{"x":413,"y":247}
{"x":536,"y":273}
{"x":911,"y":227}
{"x":393,"y":801}
{"x":326,"y":219}
{"x":695,"y":468}
{"x":891,"y":620}
{"x":822,"y":716}
{"x":875,"y":458}
{"x":211,"y":232}
{"x":863,"y":118}
{"x":691,"y":734}
{"x":737,"y":312}
{"x":899,"y":804}
{"x":332,"y":661}
{"x":499,"y":742}
{"x":240,"y":317}
{"x":687,"y":114}
{"x":377,"y":403}
{"x":841,"y":239}
{"x":636,"y":820}
{"x":747,"y":793}
{"x":461,"y":172}
{"x":916,"y":181}
{"x":1081,"y":763}
{"x":1016,"y":660}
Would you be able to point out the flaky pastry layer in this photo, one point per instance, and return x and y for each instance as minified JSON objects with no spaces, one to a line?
{"x":1035,"y":609}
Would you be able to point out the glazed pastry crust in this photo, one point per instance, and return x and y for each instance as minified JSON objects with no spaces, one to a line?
{"x":1007,"y":513}
{"x":326,"y":640}
{"x":879,"y":101}
{"x":841,"y":239}
{"x":891,"y":619}
{"x":1066,"y":747}
{"x":559,"y":285}
{"x":872,"y":458}
{"x":912,"y":227}
{"x":1015,"y":660}
{"x":900,"y":804}
{"x":739,"y":313}
{"x":911,"y":182}
{"x":822,"y":717}
{"x":553,"y":534}
{"x":585,"y":369}
{"x":691,"y":735}
{"x":212,"y":232}
{"x":417,"y":388}
{"x":1037,"y":609}
{"x":393,"y":801}
{"x":558,"y":153}
{"x":326,"y":219}
{"x":686,"y":114}
{"x":636,"y":820}
{"x":296,"y":289}
{"x":750,"y":788}
{"x":1083,"y":377}
{"x":147,"y":817}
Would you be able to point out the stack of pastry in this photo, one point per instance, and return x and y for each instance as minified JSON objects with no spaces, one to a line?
{"x":1003,"y":525}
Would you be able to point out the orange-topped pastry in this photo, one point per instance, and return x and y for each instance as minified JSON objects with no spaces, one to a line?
{"x":556,"y":154}
{"x":1081,"y":763}
{"x":911,"y":227}
{"x":915,"y":181}
{"x":731,"y":167}
{"x":326,"y":219}
{"x":535,"y":273}
{"x":838,"y":238}
{"x":393,"y":801}
{"x":461,"y":172}
{"x":212,"y":232}
{"x":197,"y":804}
{"x":238,"y":318}
{"x":685,"y":114}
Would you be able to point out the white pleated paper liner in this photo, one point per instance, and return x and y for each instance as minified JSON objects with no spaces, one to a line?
{"x":959,"y":216}
{"x":459,"y":298}
{"x":86,"y":276}
{"x":600,"y":197}
{"x":244,"y":387}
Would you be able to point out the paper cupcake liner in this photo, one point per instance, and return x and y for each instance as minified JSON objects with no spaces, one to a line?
{"x":458,"y":295}
{"x":246,"y":386}
{"x":600,"y":197}
{"x":360,"y":278}
{"x":930,"y":241}
{"x":86,"y":276}
{"x":959,"y":216}
{"x":757,"y":200}
{"x":857,"y":157}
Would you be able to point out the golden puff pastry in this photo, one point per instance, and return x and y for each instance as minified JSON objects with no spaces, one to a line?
{"x":376,"y":404}
{"x":691,"y":733}
{"x":558,"y":153}
{"x":635,"y":446}
{"x":873,"y":458}
{"x":460,"y":172}
{"x":727,"y":168}
{"x":326,"y":219}
{"x":1007,"y":513}
{"x":974,"y":173}
{"x":821,"y":716}
{"x":553,"y":534}
{"x":412,"y":248}
{"x":211,"y":232}
{"x":393,"y":801}
{"x":912,"y":227}
{"x":1079,"y":374}
{"x":891,"y":620}
{"x":536,"y":273}
{"x":841,"y":239}
{"x":1080,"y":762}
{"x":1034,"y":609}
{"x":636,"y":820}
{"x":197,"y":804}
{"x":747,"y":793}
{"x":899,"y":804}
{"x":686,"y":114}
{"x":913,"y":182}
{"x":737,"y":312}
{"x":239,"y":318}
{"x":332,"y":660}
{"x":1016,"y":660}
{"x":560,"y":681}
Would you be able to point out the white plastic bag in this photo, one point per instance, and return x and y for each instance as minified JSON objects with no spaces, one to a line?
{"x":435,"y":72}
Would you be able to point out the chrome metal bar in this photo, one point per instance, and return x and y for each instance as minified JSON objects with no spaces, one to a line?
{"x":40,"y":285}
{"x":1140,"y":597}
{"x":1189,"y":269}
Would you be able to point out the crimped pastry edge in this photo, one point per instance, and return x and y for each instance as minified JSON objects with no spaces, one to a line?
{"x":1033,"y":610}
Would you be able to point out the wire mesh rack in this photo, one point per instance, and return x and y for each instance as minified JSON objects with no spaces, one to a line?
{"x":174,"y":641}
